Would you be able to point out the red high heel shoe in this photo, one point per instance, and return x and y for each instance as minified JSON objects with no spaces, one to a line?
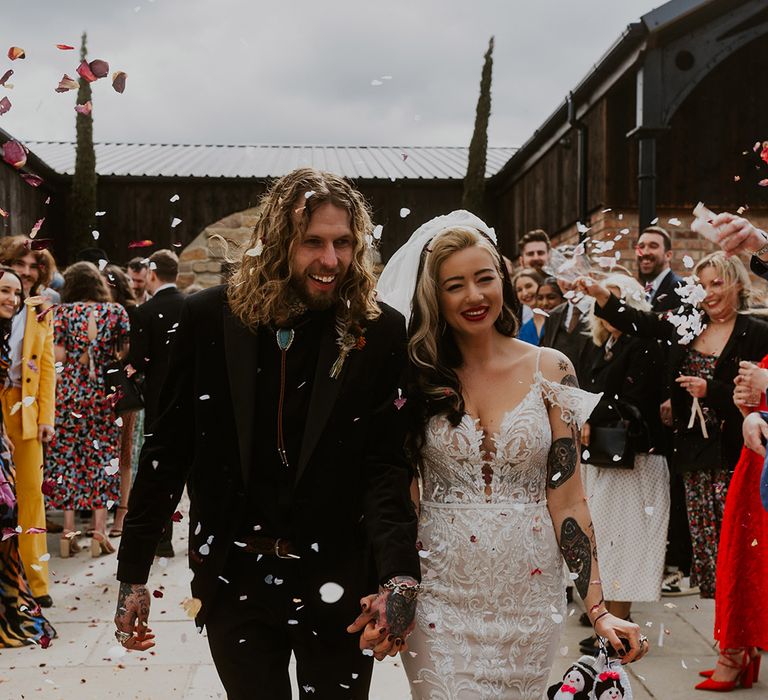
{"x":756,"y":659}
{"x":745,"y":676}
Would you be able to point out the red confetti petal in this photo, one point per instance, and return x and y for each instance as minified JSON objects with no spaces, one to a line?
{"x":99,"y":68}
{"x":35,"y":531}
{"x":64,"y":47}
{"x":48,"y":487}
{"x":141,"y":244}
{"x":84,"y":109}
{"x":84,"y":71}
{"x":118,"y":81}
{"x":400,"y":402}
{"x":44,"y":641}
{"x":764,"y":152}
{"x":472,"y":538}
{"x":157,"y":594}
{"x":16,"y":52}
{"x":32,"y":180}
{"x":66,"y":84}
{"x":177,"y":517}
{"x":6,"y":75}
{"x":14,"y":154}
{"x":5,"y":105}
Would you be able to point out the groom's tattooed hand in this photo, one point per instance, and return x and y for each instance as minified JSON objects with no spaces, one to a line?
{"x":577,"y":552}
{"x":399,"y":610}
{"x":561,"y":462}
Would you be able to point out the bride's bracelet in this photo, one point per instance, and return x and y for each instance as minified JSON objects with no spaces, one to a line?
{"x":602,"y":614}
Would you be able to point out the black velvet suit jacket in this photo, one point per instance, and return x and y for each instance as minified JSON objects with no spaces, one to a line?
{"x":151,"y":333}
{"x":352,"y":512}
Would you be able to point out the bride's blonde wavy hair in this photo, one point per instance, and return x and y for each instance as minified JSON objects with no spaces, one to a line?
{"x":431,"y":346}
{"x":258,"y":291}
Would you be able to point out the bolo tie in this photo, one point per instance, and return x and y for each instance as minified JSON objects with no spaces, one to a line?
{"x":284,"y":337}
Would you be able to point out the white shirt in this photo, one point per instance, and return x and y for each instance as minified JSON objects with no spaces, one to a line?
{"x":167,"y":285}
{"x":15,"y":343}
{"x":584,"y":305}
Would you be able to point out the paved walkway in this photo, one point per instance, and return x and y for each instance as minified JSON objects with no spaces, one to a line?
{"x":85,"y":663}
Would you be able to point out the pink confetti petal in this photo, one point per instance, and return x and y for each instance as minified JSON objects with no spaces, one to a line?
{"x":14,"y":154}
{"x":763,"y":183}
{"x":5,"y":105}
{"x":3,"y":213}
{"x":64,"y":47}
{"x":141,"y":244}
{"x":99,"y":68}
{"x":36,"y":227}
{"x":6,"y":75}
{"x":118,"y":81}
{"x":66,"y":84}
{"x":32,"y":180}
{"x":84,"y":71}
{"x":16,"y":52}
{"x":35,"y":531}
{"x":84,"y":109}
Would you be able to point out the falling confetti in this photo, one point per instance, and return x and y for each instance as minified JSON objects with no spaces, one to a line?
{"x":36,"y":227}
{"x":191,"y":606}
{"x":176,"y":221}
{"x":118,"y":81}
{"x":331,"y":592}
{"x":175,"y":198}
{"x":404,"y":212}
{"x":14,"y":154}
{"x":66,"y":84}
{"x":377,"y":231}
{"x":64,"y":47}
{"x":146,"y":243}
{"x":16,"y":52}
{"x":688,"y":261}
{"x":5,"y":77}
{"x":84,"y":109}
{"x":5,"y":105}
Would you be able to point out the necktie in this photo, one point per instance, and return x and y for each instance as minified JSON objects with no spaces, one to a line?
{"x":575,"y":318}
{"x":648,"y":291}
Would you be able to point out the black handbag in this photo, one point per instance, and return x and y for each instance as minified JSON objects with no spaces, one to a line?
{"x":124,"y":391}
{"x":611,"y":446}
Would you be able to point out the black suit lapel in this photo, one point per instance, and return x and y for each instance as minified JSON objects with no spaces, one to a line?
{"x":241,"y":351}
{"x":325,"y":390}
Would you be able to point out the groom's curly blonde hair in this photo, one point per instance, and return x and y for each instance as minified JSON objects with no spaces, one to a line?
{"x":259,"y":287}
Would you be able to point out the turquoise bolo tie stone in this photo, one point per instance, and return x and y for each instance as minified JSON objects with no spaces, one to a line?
{"x":284,"y":338}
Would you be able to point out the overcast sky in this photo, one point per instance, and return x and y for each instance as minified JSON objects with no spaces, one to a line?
{"x":301,"y":71}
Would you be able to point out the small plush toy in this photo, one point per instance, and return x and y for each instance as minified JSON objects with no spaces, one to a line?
{"x":608,"y":686}
{"x":577,"y":682}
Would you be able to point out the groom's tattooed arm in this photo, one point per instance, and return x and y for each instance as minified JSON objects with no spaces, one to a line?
{"x":578,"y":550}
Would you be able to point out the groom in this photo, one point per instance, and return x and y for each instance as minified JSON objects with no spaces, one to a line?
{"x":281,"y":413}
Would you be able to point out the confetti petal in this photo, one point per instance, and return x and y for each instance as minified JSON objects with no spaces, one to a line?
{"x":32,"y":180}
{"x":66,"y":84}
{"x":191,"y":606}
{"x":6,"y":75}
{"x":99,"y":68}
{"x":16,"y":52}
{"x":404,"y":212}
{"x":64,"y":47}
{"x":146,"y":243}
{"x":36,"y":227}
{"x":84,"y":71}
{"x":14,"y":154}
{"x":84,"y":109}
{"x":118,"y":81}
{"x":5,"y":105}
{"x":331,"y":592}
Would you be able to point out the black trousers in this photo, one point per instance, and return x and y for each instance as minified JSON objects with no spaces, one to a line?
{"x":679,"y":548}
{"x":259,"y":617}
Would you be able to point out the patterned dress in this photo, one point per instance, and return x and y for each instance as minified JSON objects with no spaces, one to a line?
{"x":491,"y":610}
{"x":705,"y":493}
{"x":84,"y":457}
{"x":21,"y":619}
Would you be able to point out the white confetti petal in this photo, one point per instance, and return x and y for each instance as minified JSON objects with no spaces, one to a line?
{"x":331,"y":592}
{"x":176,"y":221}
{"x":404,"y":212}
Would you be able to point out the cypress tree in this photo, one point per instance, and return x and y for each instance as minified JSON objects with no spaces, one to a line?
{"x":474,"y":180}
{"x":82,"y":210}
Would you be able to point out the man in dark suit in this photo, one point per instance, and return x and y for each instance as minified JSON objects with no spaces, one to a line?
{"x":155,"y":321}
{"x":567,"y":330}
{"x":654,"y":255}
{"x":281,"y":413}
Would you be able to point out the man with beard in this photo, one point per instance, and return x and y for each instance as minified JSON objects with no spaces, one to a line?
{"x":138,"y":269}
{"x":282,"y":413}
{"x":654,"y":254}
{"x":534,"y":250}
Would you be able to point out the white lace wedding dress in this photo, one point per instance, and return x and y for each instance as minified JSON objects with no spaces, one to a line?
{"x":489,"y":616}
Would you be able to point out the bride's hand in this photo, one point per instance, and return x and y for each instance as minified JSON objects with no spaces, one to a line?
{"x":614,"y":629}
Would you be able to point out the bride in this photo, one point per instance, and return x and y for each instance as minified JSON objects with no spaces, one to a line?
{"x":502,"y":501}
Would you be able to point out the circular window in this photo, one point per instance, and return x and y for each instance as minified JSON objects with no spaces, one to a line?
{"x":684,"y":60}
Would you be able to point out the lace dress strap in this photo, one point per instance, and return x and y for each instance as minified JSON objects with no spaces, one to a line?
{"x":576,"y":405}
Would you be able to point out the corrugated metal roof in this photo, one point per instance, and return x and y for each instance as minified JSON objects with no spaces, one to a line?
{"x":262,"y":161}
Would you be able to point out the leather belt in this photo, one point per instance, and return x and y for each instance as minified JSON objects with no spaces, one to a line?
{"x":279,"y":547}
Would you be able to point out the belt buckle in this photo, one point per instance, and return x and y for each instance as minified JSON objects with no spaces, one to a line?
{"x":277,"y":550}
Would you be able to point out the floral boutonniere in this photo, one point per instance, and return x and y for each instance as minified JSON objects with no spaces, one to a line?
{"x":351,"y":337}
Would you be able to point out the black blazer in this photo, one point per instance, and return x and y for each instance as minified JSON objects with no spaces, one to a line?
{"x":152,"y":328}
{"x":748,"y":341}
{"x":666,"y":298}
{"x":626,"y":374}
{"x":351,"y":496}
{"x":577,"y":346}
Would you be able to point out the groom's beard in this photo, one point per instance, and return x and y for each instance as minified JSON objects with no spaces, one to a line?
{"x":313,"y":300}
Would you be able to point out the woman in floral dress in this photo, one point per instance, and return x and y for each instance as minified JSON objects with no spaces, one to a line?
{"x":84,"y":458}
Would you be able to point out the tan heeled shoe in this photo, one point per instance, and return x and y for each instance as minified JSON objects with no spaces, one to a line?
{"x":100,"y":544}
{"x":68,"y":544}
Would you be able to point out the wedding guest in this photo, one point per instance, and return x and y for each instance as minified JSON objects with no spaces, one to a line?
{"x":741,"y":616}
{"x":633,"y":490}
{"x":28,"y":408}
{"x":21,"y":620}
{"x":84,"y":459}
{"x":46,"y":265}
{"x":137,"y":269}
{"x":735,"y":234}
{"x":548,"y":296}
{"x":496,"y":443}
{"x":535,"y":247}
{"x":155,"y":323}
{"x":654,"y":257}
{"x":526,"y":283}
{"x":700,"y":374}
{"x":121,"y":292}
